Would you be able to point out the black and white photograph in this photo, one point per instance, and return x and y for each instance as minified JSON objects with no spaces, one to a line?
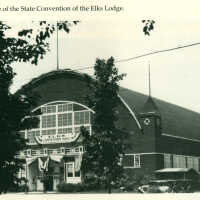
{"x":103,"y":104}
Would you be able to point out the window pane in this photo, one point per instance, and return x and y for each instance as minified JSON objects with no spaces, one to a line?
{"x":48,"y":121}
{"x":196,"y":163}
{"x":77,"y":174}
{"x":65,"y":107}
{"x":81,"y":118}
{"x":44,"y":109}
{"x":137,"y":161}
{"x":70,"y":170}
{"x":48,"y":109}
{"x":51,"y":109}
{"x":65,"y":119}
{"x":70,"y":107}
{"x":60,"y":108}
{"x":87,"y":117}
{"x":76,"y":118}
{"x":190,"y":162}
{"x":167,"y":161}
{"x":182,"y":162}
{"x":128,"y":160}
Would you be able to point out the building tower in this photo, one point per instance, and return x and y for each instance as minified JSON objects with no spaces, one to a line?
{"x":150,"y":118}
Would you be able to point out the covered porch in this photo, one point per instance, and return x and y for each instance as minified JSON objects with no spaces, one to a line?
{"x":45,"y":173}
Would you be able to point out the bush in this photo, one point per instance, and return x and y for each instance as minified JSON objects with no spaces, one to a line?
{"x":70,"y":188}
{"x":79,"y":187}
{"x":133,"y":181}
{"x":66,"y":187}
{"x":94,"y":183}
{"x":19,"y":188}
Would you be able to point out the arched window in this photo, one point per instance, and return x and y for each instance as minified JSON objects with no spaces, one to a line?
{"x":60,"y":122}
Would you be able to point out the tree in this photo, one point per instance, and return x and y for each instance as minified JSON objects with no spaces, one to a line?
{"x":29,"y":46}
{"x":148,"y":26}
{"x":106,"y":145}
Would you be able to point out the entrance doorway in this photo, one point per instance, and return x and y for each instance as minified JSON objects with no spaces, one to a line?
{"x":71,"y":176}
{"x":48,"y":183}
{"x":69,"y":172}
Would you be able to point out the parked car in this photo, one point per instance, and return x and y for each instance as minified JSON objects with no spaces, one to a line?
{"x":153,"y":188}
{"x":172,"y":180}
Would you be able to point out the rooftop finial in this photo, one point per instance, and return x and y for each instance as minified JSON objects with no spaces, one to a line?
{"x":149,"y":79}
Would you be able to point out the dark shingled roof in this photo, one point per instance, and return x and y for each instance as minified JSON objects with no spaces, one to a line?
{"x":176,"y":120}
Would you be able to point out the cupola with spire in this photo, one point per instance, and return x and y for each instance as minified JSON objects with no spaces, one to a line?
{"x":150,"y":108}
{"x":149,"y":115}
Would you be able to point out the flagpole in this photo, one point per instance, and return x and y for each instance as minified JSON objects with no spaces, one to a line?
{"x":57,"y":46}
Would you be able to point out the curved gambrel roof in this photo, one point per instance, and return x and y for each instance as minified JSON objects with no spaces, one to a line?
{"x":176,"y":120}
{"x":51,"y":75}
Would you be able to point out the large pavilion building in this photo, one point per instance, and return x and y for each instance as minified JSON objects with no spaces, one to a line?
{"x":163,"y":135}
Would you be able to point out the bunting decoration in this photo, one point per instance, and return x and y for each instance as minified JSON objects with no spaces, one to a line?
{"x":39,"y":140}
{"x":43,"y":166}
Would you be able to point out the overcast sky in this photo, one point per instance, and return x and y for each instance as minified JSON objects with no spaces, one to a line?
{"x":175,"y":75}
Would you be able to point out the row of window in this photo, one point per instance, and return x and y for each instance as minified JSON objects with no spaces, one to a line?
{"x":170,"y":161}
{"x":62,"y":150}
{"x":181,"y":161}
{"x":57,"y":108}
{"x":57,"y":122}
{"x":66,"y":119}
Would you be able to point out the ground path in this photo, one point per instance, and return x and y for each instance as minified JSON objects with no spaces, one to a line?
{"x":121,"y":196}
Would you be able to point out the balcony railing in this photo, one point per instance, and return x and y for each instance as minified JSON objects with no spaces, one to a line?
{"x":46,"y":152}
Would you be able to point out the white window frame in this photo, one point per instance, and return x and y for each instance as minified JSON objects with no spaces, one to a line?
{"x":57,"y":138}
{"x":134,"y":161}
{"x":138,"y":165}
{"x":190,"y":161}
{"x":66,"y":173}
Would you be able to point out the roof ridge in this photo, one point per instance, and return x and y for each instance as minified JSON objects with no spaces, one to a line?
{"x":160,"y":100}
{"x":53,"y":72}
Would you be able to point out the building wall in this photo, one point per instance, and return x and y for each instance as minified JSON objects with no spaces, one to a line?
{"x":149,"y":162}
{"x":172,"y":145}
{"x":147,"y":143}
{"x":69,"y":87}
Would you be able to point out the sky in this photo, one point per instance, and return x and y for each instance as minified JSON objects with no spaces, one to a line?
{"x":174,"y":74}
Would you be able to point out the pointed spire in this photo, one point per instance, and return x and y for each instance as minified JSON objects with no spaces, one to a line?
{"x":149,"y":107}
{"x":149,"y":80}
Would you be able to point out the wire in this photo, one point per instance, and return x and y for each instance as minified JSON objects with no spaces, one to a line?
{"x":135,"y":57}
{"x":159,"y":51}
{"x":144,"y":55}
